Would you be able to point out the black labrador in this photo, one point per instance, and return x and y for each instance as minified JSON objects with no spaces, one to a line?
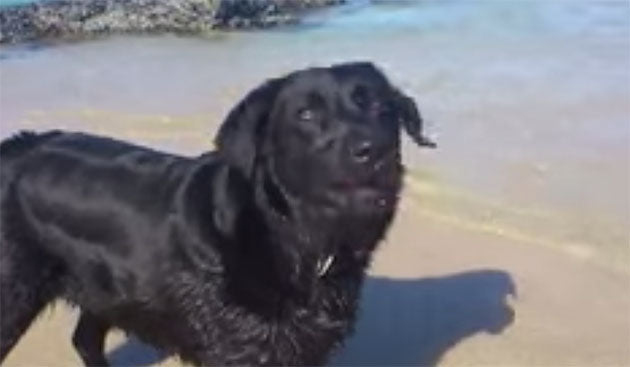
{"x":250,"y":255}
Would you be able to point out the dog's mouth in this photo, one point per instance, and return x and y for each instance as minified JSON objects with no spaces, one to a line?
{"x":374,"y":198}
{"x":367,"y":195}
{"x":375,"y":179}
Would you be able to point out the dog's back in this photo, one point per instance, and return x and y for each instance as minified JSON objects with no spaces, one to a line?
{"x":23,"y":142}
{"x":17,"y":146}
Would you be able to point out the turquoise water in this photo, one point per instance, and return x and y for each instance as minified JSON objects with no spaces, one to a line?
{"x":14,"y":2}
{"x":529,"y":100}
{"x":517,"y":17}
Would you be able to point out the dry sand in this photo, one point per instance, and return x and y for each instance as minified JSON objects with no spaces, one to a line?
{"x":440,"y":293}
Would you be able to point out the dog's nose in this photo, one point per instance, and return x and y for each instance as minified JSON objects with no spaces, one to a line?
{"x":363,"y":151}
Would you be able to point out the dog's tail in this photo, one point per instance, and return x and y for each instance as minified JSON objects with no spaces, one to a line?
{"x":23,"y":142}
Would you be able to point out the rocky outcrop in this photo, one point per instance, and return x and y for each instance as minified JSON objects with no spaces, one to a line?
{"x":264,"y":13}
{"x":70,"y":19}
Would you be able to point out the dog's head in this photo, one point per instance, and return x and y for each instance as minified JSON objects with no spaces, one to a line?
{"x":321,"y":141}
{"x":326,"y":134}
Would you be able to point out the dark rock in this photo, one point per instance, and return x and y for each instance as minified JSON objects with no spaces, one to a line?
{"x":84,"y":18}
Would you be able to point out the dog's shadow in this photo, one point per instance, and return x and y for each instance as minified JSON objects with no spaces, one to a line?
{"x":403,"y":322}
{"x":414,"y":322}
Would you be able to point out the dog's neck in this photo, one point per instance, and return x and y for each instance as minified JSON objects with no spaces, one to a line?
{"x":290,"y":215}
{"x":316,"y":227}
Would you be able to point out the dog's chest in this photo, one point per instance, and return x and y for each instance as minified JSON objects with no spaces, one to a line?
{"x":230,"y":334}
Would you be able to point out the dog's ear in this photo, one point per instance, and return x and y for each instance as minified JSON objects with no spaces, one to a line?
{"x":411,"y":120}
{"x":229,"y":201}
{"x":242,"y":131}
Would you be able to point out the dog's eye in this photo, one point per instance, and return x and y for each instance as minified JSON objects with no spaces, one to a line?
{"x":306,"y":114}
{"x":360,"y":97}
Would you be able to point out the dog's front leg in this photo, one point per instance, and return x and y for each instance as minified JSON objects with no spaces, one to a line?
{"x":89,"y":339}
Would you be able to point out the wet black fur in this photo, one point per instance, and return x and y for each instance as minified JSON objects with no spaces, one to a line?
{"x":214,"y":258}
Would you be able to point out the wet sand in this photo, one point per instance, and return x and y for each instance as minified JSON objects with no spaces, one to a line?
{"x":440,"y":293}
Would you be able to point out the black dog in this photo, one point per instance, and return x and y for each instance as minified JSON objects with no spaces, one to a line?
{"x":250,"y":255}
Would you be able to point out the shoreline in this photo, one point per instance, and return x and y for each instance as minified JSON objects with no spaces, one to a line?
{"x":85,"y":19}
{"x":541,"y":227}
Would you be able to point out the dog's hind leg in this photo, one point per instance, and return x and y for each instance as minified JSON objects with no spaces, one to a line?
{"x":28,"y":281}
{"x":89,"y":339}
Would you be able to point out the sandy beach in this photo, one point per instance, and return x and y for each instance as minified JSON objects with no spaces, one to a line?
{"x":511,"y":246}
{"x":440,"y":295}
